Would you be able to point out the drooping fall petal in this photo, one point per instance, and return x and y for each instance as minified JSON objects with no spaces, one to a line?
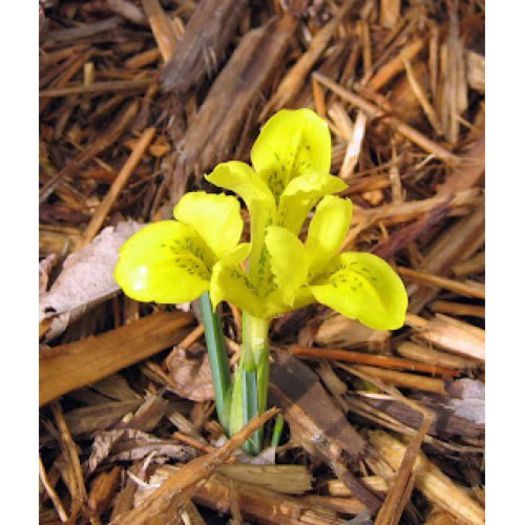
{"x":327,"y":231}
{"x":216,"y":218}
{"x":365,"y":287}
{"x":165,"y":262}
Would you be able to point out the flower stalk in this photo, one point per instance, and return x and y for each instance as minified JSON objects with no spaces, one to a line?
{"x":218,"y":358}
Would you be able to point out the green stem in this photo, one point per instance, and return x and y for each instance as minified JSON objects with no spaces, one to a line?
{"x":277,"y":430}
{"x":219,"y":364}
{"x":250,"y":390}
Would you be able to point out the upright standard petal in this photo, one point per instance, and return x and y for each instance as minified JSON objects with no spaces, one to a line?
{"x":290,"y":144}
{"x":327,"y":231}
{"x":302,"y":194}
{"x":165,"y":262}
{"x":365,"y":288}
{"x":240,"y":178}
{"x":287,"y":261}
{"x":216,"y":218}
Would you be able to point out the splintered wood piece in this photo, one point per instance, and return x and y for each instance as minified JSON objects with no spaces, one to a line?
{"x":294,"y":80}
{"x":475,"y":264}
{"x":395,"y":66}
{"x":103,"y":489}
{"x":430,"y":480}
{"x":254,"y":502}
{"x":419,"y":92}
{"x":401,"y":490}
{"x":382,"y":361}
{"x":442,"y":282}
{"x":118,"y":184}
{"x":427,"y":354}
{"x":469,"y":172}
{"x":402,"y":379}
{"x":286,"y":479}
{"x":75,"y":478}
{"x":51,"y":492}
{"x":181,"y":485}
{"x":450,"y":334}
{"x":202,"y":47}
{"x":58,"y":239}
{"x":459,"y":242}
{"x":140,"y":84}
{"x":374,"y":111}
{"x":215,"y":129}
{"x":70,"y":366}
{"x":161,"y":27}
{"x":335,"y":487}
{"x":316,"y":422}
{"x":451,"y":308}
{"x":339,"y":330}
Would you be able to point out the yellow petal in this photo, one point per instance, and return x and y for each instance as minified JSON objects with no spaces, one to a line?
{"x":216,"y":218}
{"x":327,"y":231}
{"x":287,"y":261}
{"x":365,"y":288}
{"x":291,"y":143}
{"x":240,"y":178}
{"x":165,"y":262}
{"x":230,"y":283}
{"x":302,"y":194}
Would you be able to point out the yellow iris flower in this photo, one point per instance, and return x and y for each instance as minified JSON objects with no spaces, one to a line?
{"x":176,"y":261}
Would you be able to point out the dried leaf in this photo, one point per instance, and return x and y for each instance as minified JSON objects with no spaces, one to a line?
{"x":86,"y":279}
{"x":468,"y":399}
{"x":130,"y":444}
{"x":98,"y":417}
{"x":191,"y":373}
{"x":44,"y":269}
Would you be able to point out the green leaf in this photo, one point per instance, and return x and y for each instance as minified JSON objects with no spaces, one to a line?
{"x":291,"y":143}
{"x":165,"y":262}
{"x":327,"y":232}
{"x":216,"y":218}
{"x":287,"y":261}
{"x":302,"y":194}
{"x":365,"y":287}
{"x":240,"y":178}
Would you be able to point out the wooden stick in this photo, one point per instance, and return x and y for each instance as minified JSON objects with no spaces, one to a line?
{"x":51,"y":492}
{"x":70,"y":366}
{"x":427,"y":354}
{"x":76,"y":479}
{"x":161,"y":27}
{"x":422,"y":98}
{"x":442,"y":282}
{"x":449,"y":307}
{"x":395,"y":66}
{"x":118,"y":184}
{"x":98,"y":87}
{"x":431,"y":481}
{"x":374,"y":111}
{"x":181,"y":485}
{"x":370,"y":359}
{"x":417,"y":382}
{"x":475,"y":264}
{"x":450,"y":334}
